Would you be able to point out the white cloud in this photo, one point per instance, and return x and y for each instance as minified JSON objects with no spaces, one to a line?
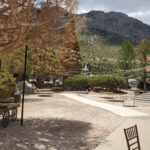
{"x":81,"y":11}
{"x":140,"y":14}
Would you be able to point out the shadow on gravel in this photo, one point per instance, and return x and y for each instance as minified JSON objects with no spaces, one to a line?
{"x":108,"y":97}
{"x":130,"y":106}
{"x":46,"y":134}
{"x":45,"y":95}
{"x":33,"y":100}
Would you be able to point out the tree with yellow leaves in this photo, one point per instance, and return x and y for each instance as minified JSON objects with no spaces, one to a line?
{"x":69,"y":53}
{"x":31,"y":21}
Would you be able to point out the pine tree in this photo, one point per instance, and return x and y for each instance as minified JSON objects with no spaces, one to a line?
{"x":126,"y":58}
{"x":69,"y":54}
{"x":45,"y":62}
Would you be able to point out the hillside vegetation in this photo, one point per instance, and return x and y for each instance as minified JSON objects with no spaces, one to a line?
{"x":93,"y":48}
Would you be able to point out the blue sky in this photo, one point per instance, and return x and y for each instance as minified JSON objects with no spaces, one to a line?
{"x":139,"y":9}
{"x":38,"y":3}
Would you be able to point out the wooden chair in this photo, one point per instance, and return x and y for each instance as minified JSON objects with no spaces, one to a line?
{"x":132,"y":138}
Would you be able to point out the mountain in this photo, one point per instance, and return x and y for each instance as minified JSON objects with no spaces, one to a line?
{"x":115,"y":26}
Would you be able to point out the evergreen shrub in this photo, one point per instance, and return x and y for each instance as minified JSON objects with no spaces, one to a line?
{"x":83,"y":82}
{"x":7,"y":84}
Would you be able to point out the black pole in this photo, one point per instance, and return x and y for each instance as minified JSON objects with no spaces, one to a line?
{"x":24,"y":79}
{"x":0,"y":64}
{"x":145,"y":64}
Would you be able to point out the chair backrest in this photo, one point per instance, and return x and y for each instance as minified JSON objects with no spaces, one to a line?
{"x":132,"y":138}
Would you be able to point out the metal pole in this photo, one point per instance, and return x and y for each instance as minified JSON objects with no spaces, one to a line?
{"x":0,"y":64}
{"x":24,"y":79}
{"x":145,"y":87}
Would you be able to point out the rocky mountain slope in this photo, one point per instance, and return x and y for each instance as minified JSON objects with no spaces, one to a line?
{"x":115,"y":26}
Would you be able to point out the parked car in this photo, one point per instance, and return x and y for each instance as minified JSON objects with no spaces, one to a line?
{"x":48,"y":81}
{"x":59,"y":82}
{"x":28,"y":87}
{"x":33,"y":81}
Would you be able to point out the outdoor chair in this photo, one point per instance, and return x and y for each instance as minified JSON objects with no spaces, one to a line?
{"x":132,"y":138}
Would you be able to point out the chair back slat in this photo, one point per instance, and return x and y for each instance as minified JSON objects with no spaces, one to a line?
{"x":132,"y":138}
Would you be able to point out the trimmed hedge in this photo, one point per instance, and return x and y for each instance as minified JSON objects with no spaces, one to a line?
{"x":83,"y":82}
{"x":7,"y":84}
{"x":76,"y":83}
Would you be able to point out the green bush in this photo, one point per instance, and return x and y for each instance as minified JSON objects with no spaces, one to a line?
{"x":85,"y":82}
{"x":7,"y":84}
{"x":76,"y":83}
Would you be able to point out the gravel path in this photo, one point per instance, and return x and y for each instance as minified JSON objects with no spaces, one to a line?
{"x":118,"y":110}
{"x":116,"y":99}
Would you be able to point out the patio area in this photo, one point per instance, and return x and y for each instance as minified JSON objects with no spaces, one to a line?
{"x":58,"y":123}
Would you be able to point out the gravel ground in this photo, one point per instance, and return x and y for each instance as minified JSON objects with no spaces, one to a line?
{"x":58,"y":123}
